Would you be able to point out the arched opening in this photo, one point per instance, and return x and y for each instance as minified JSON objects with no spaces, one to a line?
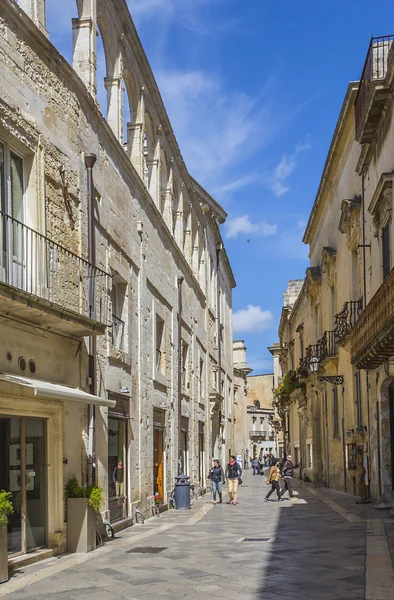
{"x":165,"y":193}
{"x":175,"y":209}
{"x":132,"y":120}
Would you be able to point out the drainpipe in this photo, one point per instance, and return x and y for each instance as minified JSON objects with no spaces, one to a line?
{"x":344,"y":442}
{"x":179,"y":283}
{"x":364,"y":305}
{"x":90,"y":160}
{"x":219,"y":248}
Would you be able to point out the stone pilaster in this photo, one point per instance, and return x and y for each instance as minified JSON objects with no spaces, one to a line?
{"x":84,"y":48}
{"x":36,"y":10}
{"x":113,"y":85}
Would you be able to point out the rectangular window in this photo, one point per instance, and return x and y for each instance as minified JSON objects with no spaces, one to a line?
{"x":118,"y":325}
{"x":359,"y":414}
{"x":185,"y":374}
{"x":301,"y":347}
{"x":386,"y":249}
{"x":201,"y":379}
{"x":160,"y":347}
{"x":335,"y":411}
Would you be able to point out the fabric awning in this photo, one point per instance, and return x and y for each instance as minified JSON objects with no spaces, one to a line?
{"x":44,"y":389}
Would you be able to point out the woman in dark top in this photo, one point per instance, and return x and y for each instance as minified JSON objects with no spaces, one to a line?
{"x":216,"y":475}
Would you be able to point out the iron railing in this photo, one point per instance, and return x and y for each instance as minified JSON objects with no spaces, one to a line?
{"x":38,"y":266}
{"x":312,"y":352}
{"x":118,"y":327}
{"x":346,"y":319}
{"x":375,"y":68}
{"x":327,"y":345}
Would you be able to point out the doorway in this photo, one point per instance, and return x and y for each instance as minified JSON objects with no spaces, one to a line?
{"x":158,"y":446}
{"x":23,"y":472}
{"x":391,"y":418}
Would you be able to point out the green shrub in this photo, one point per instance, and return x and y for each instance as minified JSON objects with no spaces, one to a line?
{"x":6,"y":507}
{"x":93,"y":493}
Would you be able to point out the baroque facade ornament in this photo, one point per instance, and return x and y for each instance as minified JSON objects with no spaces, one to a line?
{"x":381,"y":205}
{"x":313,"y":282}
{"x":329,"y":259}
{"x":350,"y":220}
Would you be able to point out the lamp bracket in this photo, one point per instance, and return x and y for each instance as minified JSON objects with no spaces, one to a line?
{"x":334,"y":379}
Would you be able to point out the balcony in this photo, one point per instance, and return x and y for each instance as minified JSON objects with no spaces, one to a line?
{"x":372,"y":92}
{"x":325,"y":348}
{"x":346,"y":319}
{"x":46,"y":285}
{"x":372,"y":337}
{"x":263,"y":435}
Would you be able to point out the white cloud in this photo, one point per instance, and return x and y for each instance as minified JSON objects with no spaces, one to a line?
{"x":216,"y":129}
{"x":243,"y":225}
{"x":285,"y":168}
{"x":251,"y":319}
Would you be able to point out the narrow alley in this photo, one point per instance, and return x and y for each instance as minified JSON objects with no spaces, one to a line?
{"x":293,"y":550}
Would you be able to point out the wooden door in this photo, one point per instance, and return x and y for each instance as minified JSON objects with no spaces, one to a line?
{"x":158,"y":463}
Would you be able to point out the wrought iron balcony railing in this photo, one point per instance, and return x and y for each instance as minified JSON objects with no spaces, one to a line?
{"x":372,"y":337}
{"x":375,"y":70}
{"x":346,"y":319}
{"x":327,"y":345}
{"x":39,"y":267}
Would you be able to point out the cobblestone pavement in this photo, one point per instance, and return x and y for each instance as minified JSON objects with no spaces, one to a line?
{"x":298,"y":550}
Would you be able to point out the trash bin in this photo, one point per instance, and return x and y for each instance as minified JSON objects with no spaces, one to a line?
{"x":182,"y":492}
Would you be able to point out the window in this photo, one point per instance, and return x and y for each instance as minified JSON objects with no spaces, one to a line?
{"x":11,"y":183}
{"x":296,"y":455}
{"x":118,"y":325}
{"x":160,"y":346}
{"x":335,"y":412}
{"x":301,"y":346}
{"x":359,"y":414}
{"x":309,"y":461}
{"x":201,"y":380}
{"x":386,"y":249}
{"x":185,"y":374}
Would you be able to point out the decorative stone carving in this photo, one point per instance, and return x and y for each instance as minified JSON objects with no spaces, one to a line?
{"x":329,"y":259}
{"x":381,"y":206}
{"x":313,"y":282}
{"x":350,"y":220}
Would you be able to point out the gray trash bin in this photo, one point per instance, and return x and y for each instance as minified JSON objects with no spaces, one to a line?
{"x":182,"y":492}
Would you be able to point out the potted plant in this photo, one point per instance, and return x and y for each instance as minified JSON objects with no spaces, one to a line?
{"x":6,"y":508}
{"x":82,"y":505}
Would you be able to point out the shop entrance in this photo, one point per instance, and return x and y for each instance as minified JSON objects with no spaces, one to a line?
{"x":23,"y":473}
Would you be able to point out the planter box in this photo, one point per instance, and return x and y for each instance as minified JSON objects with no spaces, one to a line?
{"x":81,"y":526}
{"x":3,"y":555}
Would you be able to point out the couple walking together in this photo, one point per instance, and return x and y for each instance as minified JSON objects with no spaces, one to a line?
{"x":233,"y":476}
{"x":286,"y":473}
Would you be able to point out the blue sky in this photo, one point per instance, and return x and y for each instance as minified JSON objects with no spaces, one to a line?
{"x":253,"y":89}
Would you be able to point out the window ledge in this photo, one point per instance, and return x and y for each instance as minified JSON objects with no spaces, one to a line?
{"x":119,"y":355}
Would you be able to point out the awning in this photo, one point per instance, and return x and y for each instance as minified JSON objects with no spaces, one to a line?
{"x":44,"y":389}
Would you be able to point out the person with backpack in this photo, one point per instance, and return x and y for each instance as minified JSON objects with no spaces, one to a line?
{"x":273,"y":479}
{"x":216,"y":475}
{"x":233,"y":476}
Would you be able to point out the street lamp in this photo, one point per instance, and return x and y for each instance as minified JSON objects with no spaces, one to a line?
{"x":314,"y":366}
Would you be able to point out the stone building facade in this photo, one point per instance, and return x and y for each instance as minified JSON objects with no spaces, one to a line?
{"x":262,"y":435}
{"x":338,"y":335}
{"x":115,"y":287}
{"x":240,"y":422}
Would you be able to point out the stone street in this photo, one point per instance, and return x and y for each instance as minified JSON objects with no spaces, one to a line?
{"x":292,"y":550}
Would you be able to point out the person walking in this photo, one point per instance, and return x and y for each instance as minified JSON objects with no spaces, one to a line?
{"x":287,"y":474}
{"x":216,"y":475}
{"x":233,"y":474}
{"x":255,"y":465}
{"x":273,"y":479}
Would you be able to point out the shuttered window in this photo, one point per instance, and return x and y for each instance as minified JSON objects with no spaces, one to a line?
{"x":386,"y":249}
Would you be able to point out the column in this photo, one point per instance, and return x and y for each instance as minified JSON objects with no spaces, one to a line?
{"x":113,"y":85}
{"x":36,"y":10}
{"x":84,"y":45}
